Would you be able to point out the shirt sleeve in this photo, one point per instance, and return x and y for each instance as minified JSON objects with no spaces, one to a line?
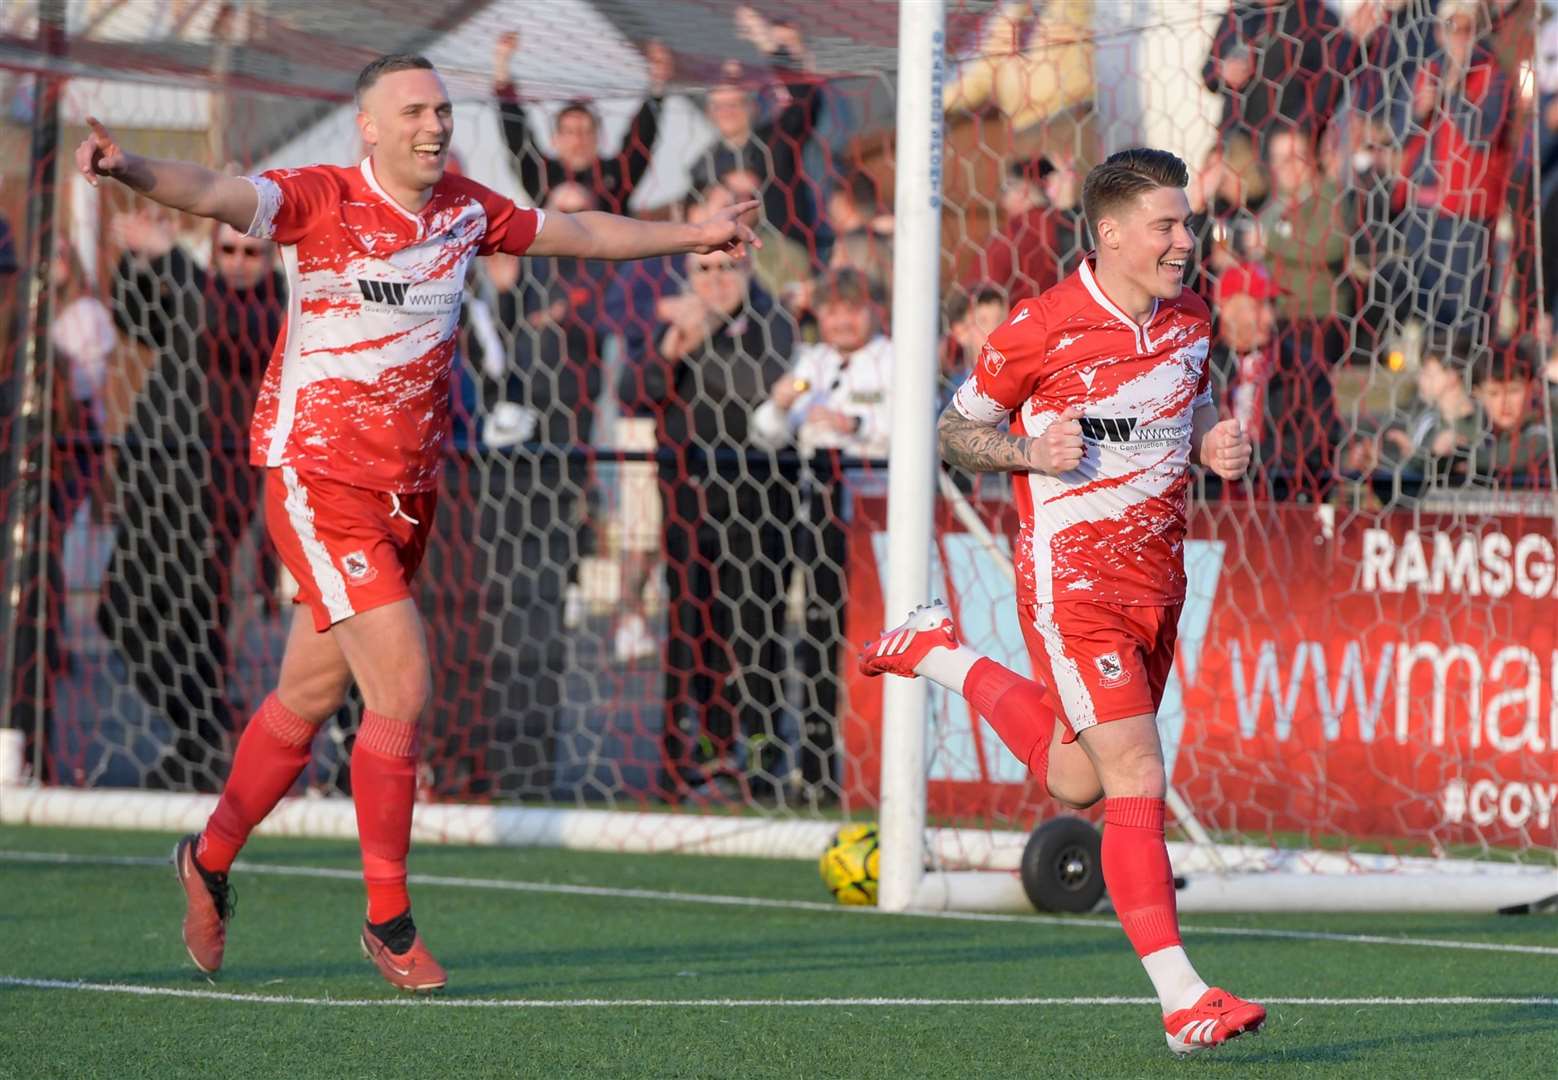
{"x":291,"y":201}
{"x":1204,"y":383}
{"x":510,"y":229}
{"x":1008,"y":369}
{"x":1204,"y":380}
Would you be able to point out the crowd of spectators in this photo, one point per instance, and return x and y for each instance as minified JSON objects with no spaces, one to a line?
{"x":1365,"y":223}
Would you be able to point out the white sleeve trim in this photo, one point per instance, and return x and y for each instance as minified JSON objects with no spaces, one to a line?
{"x":978,"y":406}
{"x":267,"y":203}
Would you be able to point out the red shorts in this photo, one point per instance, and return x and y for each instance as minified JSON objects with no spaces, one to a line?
{"x":350,"y":549}
{"x":1105,"y":661}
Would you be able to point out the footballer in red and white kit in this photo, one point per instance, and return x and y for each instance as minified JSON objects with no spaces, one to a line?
{"x":1100,"y":552}
{"x":351,"y":418}
{"x":354,"y":407}
{"x":1103,"y":383}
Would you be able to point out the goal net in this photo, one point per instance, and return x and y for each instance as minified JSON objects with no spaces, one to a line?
{"x":663,"y":515}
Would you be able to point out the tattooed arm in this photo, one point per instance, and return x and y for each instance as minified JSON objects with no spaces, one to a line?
{"x":981,"y":447}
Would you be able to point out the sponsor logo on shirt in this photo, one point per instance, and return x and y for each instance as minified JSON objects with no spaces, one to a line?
{"x":413,"y":297}
{"x":1108,"y":428}
{"x":392,"y":293}
{"x":1123,"y":429}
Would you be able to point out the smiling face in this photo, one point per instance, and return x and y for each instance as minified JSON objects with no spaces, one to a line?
{"x":845,"y":324}
{"x":406,"y":120}
{"x":1145,"y":241}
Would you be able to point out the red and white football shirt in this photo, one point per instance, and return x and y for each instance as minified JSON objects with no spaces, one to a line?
{"x":1113,"y":529}
{"x":357,"y":389}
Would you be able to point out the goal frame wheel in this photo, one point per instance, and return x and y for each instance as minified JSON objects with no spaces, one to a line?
{"x":1063,"y":866}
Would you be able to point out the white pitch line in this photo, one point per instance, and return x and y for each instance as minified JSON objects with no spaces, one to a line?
{"x":710,"y":1003}
{"x":61,"y":858}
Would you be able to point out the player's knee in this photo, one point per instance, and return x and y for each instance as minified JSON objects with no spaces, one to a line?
{"x":404,"y":695}
{"x":1136,"y":775}
{"x":1078,"y":798}
{"x":316,"y":699}
{"x":1075,"y":792}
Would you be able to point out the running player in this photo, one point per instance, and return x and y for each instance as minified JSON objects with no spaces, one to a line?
{"x":1104,"y":381}
{"x":351,"y":418}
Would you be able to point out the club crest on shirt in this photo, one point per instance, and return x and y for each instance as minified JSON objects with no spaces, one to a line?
{"x":1193,"y":356}
{"x":993,"y":358}
{"x":358,"y":570}
{"x":1111,"y":672}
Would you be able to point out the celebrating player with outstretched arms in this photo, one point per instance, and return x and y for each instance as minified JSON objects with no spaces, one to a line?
{"x":349,"y":425}
{"x":1103,"y":380}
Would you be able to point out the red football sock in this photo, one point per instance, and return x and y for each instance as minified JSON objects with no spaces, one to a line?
{"x":1137,"y":872}
{"x":272,"y":753}
{"x":1018,"y":709}
{"x":384,"y":788}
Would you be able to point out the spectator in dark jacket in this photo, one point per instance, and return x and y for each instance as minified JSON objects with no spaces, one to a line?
{"x":728,"y":511}
{"x":770,"y":149}
{"x":1271,"y":61}
{"x":1381,"y":265}
{"x":576,"y":136}
{"x":1458,"y":170}
{"x":534,"y":345}
{"x":183,"y":485}
{"x":1378,"y":59}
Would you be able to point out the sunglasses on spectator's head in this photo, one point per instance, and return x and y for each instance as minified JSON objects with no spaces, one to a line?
{"x":245,"y":250}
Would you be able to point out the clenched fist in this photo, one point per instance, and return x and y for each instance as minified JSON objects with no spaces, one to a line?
{"x":1059,"y":449}
{"x":1226,"y":450}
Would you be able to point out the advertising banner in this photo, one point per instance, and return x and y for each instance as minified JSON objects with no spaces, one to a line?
{"x":1382,"y":676}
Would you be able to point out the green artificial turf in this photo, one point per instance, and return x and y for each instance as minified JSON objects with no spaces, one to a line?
{"x":606,"y":958}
